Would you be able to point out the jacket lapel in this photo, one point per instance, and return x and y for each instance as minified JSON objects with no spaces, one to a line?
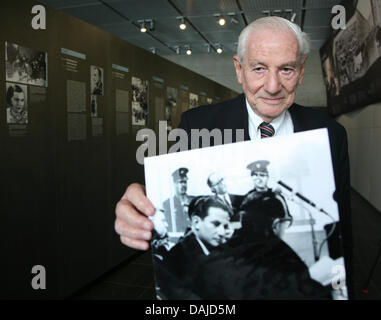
{"x":238,"y":116}
{"x":297,"y":119}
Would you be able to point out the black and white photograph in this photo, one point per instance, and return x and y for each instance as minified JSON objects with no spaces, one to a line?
{"x":17,"y":103}
{"x":170,"y":105}
{"x":96,"y":80}
{"x":93,"y":106}
{"x":247,"y":220}
{"x":193,"y":100}
{"x":25,"y":65}
{"x":351,"y":57}
{"x":139,"y":104}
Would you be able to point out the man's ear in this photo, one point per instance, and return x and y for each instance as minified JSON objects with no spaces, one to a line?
{"x":195,"y":222}
{"x":238,"y":69}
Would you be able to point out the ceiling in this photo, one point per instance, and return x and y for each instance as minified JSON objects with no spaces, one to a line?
{"x":122,"y":19}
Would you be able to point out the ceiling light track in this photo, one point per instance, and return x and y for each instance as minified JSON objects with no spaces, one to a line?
{"x":242,"y":13}
{"x":191,"y":24}
{"x":135,"y":24}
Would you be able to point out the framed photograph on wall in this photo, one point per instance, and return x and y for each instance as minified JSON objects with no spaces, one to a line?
{"x":17,"y":103}
{"x":139,"y":104}
{"x":26,"y":65}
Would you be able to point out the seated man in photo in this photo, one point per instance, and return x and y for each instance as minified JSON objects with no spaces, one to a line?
{"x":210,"y":228}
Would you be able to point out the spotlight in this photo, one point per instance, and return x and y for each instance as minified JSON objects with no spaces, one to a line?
{"x":293,"y":17}
{"x":219,"y":48}
{"x":188,"y":50}
{"x":177,"y":48}
{"x":143,"y":27}
{"x":220,"y":20}
{"x":153,"y":50}
{"x":146,"y":25}
{"x":182,"y":24}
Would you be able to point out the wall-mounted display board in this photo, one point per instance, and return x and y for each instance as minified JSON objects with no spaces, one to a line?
{"x":351,"y":59}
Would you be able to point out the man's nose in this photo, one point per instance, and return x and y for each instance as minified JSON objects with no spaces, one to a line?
{"x":272,"y":84}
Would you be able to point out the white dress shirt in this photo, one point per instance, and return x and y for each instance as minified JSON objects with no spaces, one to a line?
{"x":282,"y":125}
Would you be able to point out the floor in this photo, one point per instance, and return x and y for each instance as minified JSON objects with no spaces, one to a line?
{"x":134,"y":279}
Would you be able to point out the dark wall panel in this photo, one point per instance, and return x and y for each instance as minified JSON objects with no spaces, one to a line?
{"x":57,"y":208}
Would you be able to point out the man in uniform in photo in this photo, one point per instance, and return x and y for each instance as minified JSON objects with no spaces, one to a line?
{"x":176,"y":207}
{"x":16,"y":108}
{"x":262,"y":203}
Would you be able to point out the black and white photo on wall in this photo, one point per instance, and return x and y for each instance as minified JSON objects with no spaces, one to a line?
{"x":93,"y":105}
{"x":26,"y":65}
{"x":17,"y":103}
{"x":246,"y":221}
{"x":139,"y":104}
{"x":193,"y":100}
{"x":96,"y":80}
{"x":170,"y":106}
{"x":351,"y":58}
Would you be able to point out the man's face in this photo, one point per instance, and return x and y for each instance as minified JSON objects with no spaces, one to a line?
{"x":270,"y":72}
{"x":181,"y":187}
{"x":18,"y":101}
{"x":260,"y":180}
{"x":213,"y":228}
{"x":220,"y":188}
{"x":95,"y":76}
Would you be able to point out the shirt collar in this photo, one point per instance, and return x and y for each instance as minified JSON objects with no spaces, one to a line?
{"x":257,"y":120}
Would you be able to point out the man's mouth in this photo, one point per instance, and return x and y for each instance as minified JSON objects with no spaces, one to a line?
{"x":273,"y":101}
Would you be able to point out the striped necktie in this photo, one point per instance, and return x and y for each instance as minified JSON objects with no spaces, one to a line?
{"x":267,"y":130}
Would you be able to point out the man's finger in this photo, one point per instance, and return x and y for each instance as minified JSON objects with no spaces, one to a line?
{"x":136,"y":194}
{"x":125,"y":230}
{"x":126,"y":212}
{"x":135,"y":244}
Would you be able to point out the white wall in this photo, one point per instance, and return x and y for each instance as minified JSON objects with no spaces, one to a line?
{"x":364,"y":136}
{"x":217,"y":67}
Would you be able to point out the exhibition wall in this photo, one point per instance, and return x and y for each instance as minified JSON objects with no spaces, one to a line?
{"x":69,"y":143}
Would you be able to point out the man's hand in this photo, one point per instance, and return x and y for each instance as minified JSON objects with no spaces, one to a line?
{"x":132,"y":223}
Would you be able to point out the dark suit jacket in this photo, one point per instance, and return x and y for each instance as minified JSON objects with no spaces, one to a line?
{"x":232,"y":114}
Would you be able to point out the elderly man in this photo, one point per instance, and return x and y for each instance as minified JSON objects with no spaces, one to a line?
{"x":270,"y":64}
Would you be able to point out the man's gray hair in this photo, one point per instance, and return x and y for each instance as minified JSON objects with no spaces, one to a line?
{"x":273,"y":23}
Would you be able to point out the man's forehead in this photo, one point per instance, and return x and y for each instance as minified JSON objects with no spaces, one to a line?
{"x":217,"y":213}
{"x":18,"y":95}
{"x":267,"y":39}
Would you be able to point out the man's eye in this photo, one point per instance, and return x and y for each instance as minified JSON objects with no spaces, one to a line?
{"x":287,"y":70}
{"x":259,"y":69}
